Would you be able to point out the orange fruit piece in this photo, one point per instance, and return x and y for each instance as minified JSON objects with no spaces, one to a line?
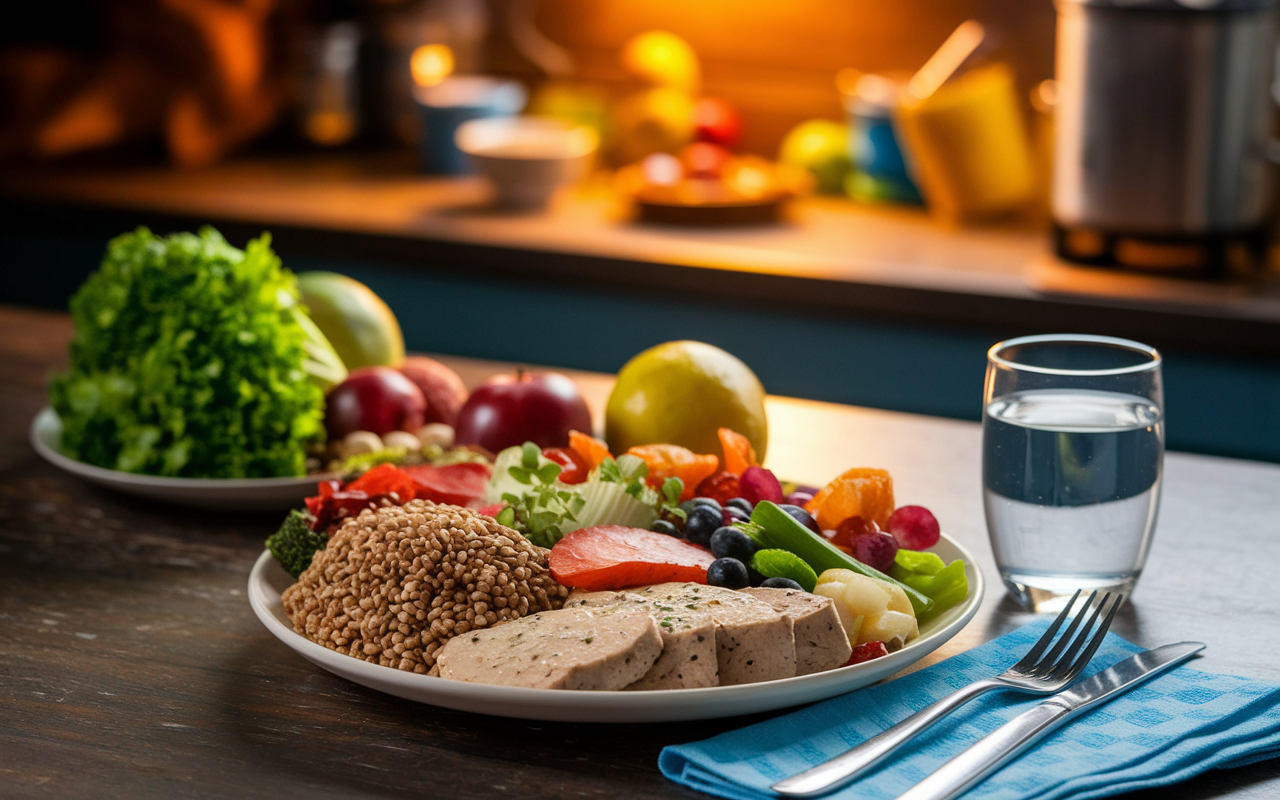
{"x":673,"y":461}
{"x":589,"y":447}
{"x":859,"y":492}
{"x":738,"y":452}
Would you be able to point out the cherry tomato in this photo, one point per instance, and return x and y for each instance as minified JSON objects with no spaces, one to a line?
{"x":574,"y":468}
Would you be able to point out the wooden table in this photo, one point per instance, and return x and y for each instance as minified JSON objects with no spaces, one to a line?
{"x":132,"y":666}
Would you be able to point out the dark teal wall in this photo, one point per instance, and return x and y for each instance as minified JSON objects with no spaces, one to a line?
{"x":1219,"y":405}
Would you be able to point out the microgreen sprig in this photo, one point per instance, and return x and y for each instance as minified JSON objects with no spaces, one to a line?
{"x":541,"y":509}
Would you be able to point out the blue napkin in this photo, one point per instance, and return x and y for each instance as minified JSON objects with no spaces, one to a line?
{"x":1178,"y":725}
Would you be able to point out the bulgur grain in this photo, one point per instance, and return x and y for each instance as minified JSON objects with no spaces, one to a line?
{"x":395,"y":583}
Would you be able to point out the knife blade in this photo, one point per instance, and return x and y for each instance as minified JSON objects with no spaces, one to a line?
{"x":997,"y":748}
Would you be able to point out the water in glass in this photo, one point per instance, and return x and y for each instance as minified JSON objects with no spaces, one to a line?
{"x":1071,"y":481}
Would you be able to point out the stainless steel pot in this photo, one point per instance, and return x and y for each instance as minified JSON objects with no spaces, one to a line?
{"x":1163,"y":120}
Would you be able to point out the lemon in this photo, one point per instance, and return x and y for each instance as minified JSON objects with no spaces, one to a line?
{"x":359,"y":325}
{"x":682,"y":393}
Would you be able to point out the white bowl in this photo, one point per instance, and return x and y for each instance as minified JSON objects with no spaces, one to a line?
{"x":527,"y":158}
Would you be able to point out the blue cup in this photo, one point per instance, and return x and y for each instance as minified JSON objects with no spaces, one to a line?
{"x":455,"y":100}
{"x":881,"y":173}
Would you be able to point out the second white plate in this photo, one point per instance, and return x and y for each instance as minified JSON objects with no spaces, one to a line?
{"x":268,"y":580}
{"x":223,"y":494}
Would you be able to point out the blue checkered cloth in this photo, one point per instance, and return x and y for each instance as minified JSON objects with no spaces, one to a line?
{"x":1178,"y":725}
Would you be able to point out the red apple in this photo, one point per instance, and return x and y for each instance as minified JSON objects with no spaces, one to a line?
{"x":508,"y":410}
{"x":716,"y":121}
{"x":444,"y":390}
{"x":376,"y":399}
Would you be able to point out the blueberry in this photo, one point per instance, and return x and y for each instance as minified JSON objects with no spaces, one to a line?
{"x":689,"y":505}
{"x":803,"y":517}
{"x":781,"y":583}
{"x":732,"y":514}
{"x":702,"y":522}
{"x":742,"y":503}
{"x":727,"y":572}
{"x":664,"y":526}
{"x":754,"y":578}
{"x":733,"y":543}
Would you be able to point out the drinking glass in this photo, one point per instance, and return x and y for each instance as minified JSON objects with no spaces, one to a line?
{"x":1072,"y":456}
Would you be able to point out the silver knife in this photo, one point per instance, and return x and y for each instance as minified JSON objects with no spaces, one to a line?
{"x":995,"y":749}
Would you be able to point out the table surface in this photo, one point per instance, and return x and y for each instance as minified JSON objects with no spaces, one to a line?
{"x":132,"y":666}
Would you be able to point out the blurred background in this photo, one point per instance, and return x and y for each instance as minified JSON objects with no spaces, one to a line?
{"x":856,"y":198}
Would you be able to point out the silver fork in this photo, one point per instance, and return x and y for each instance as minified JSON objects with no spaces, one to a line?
{"x":1037,"y":673}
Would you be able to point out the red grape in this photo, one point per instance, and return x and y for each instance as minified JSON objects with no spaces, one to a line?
{"x":758,"y":484}
{"x":876,"y":550}
{"x":721,"y":486}
{"x":914,"y":527}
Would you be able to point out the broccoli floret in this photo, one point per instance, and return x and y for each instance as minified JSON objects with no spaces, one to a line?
{"x":295,"y":543}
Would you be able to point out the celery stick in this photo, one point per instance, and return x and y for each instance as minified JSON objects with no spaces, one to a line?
{"x":916,"y":561}
{"x":784,"y":532}
{"x":948,"y":586}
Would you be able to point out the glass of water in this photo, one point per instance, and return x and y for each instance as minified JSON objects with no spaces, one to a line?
{"x":1072,"y":455}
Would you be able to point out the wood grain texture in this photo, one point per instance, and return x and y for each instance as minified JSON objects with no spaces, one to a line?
{"x":131,"y":665}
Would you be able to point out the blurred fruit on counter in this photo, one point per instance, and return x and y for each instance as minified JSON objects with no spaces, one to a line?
{"x":573,"y":102}
{"x":359,"y":325}
{"x":717,"y":122}
{"x":652,"y":121}
{"x":658,"y":58}
{"x":704,"y":160}
{"x":682,"y":393}
{"x":821,"y":147}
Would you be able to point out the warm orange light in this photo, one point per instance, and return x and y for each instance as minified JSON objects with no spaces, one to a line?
{"x":431,"y":64}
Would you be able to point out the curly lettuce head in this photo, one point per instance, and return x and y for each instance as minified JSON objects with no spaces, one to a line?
{"x":192,"y":358}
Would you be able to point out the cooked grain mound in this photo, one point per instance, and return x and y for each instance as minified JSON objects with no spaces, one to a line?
{"x":393,"y":585}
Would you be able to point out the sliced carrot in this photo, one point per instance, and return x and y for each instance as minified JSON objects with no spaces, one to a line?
{"x":608,"y":557}
{"x":589,"y":447}
{"x":858,"y":492}
{"x":673,"y":461}
{"x":738,"y":452}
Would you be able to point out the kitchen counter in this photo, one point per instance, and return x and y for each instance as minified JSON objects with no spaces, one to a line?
{"x":828,"y":255}
{"x":867,"y":306}
{"x":133,"y":666}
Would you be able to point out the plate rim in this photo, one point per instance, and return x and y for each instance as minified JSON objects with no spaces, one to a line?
{"x":46,"y":429}
{"x":621,"y":707}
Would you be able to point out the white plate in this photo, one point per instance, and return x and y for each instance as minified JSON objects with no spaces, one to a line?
{"x":268,"y":580}
{"x":226,"y":494}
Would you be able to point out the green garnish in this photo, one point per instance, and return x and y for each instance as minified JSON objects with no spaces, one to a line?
{"x":541,"y":510}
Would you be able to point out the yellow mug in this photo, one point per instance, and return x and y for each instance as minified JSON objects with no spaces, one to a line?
{"x":967,"y":143}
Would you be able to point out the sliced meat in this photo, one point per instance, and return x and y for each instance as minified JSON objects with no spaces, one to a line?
{"x":688,"y":659}
{"x":573,"y":648}
{"x":821,"y":643}
{"x":754,"y":641}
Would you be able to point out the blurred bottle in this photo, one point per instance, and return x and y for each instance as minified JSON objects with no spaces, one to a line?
{"x":328,"y":112}
{"x":400,"y":27}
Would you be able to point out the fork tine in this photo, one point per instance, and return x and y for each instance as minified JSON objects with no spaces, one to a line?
{"x":1046,"y":664}
{"x":1032,"y":655}
{"x":1076,"y":667}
